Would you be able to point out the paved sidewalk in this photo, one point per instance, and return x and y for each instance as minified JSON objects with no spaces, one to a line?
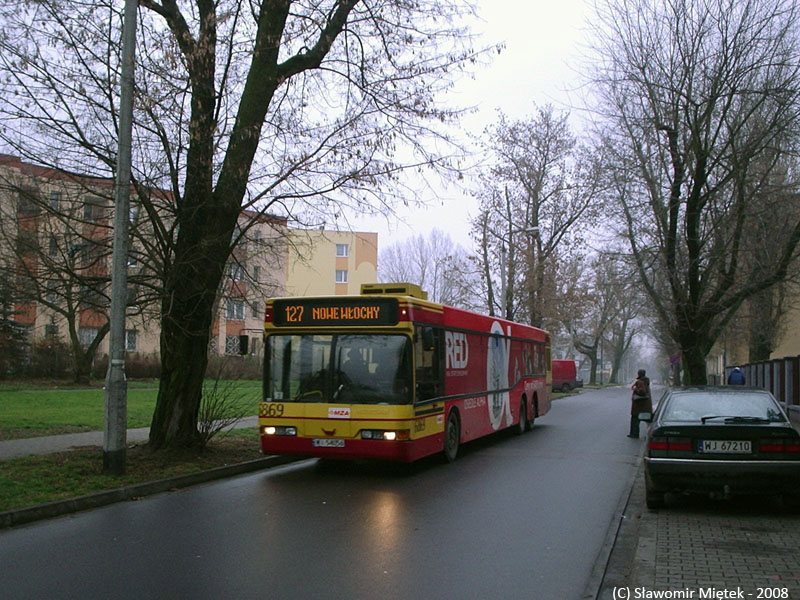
{"x":59,"y":443}
{"x":702,"y":548}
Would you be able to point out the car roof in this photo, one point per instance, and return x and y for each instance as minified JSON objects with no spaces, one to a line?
{"x":733,"y":389}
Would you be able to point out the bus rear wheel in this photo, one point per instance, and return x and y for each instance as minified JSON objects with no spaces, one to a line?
{"x":452,"y":436}
{"x":522,"y":426}
{"x":531,"y":420}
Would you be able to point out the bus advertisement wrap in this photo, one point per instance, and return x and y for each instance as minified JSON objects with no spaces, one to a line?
{"x":394,"y":377}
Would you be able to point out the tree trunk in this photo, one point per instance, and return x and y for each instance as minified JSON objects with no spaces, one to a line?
{"x":180,"y":388}
{"x":592,"y":369}
{"x":82,"y":358}
{"x":693,"y":362}
{"x":187,"y":316}
{"x":82,"y":368}
{"x":765,"y":314}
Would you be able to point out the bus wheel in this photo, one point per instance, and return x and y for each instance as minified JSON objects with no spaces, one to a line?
{"x":523,"y":418}
{"x":452,"y":436}
{"x":532,"y":417}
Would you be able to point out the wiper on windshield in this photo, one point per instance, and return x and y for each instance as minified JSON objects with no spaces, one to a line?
{"x":746,"y":420}
{"x":733,"y":419}
{"x":709,"y":417}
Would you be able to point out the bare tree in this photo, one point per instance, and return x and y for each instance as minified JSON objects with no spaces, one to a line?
{"x":299,"y":108}
{"x":598,"y":312}
{"x":55,"y":252}
{"x":539,"y":186}
{"x":699,"y":104}
{"x":435,"y":263}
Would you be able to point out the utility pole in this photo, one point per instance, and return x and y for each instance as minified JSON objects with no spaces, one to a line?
{"x":116,"y":396}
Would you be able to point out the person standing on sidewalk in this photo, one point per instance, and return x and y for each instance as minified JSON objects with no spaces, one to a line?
{"x":736,"y":377}
{"x":641,"y":401}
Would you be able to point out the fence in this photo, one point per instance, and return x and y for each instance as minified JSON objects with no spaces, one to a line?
{"x":781,"y":376}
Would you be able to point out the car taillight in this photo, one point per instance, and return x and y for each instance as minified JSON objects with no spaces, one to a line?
{"x":673,"y":444}
{"x":787,"y":446}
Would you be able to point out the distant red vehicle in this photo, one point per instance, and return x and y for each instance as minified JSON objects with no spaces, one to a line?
{"x":565,"y":375}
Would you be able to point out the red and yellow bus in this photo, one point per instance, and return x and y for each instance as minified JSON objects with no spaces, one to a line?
{"x":389,"y":375}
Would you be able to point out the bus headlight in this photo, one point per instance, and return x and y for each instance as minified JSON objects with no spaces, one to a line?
{"x":281,"y":430}
{"x":379,"y":434}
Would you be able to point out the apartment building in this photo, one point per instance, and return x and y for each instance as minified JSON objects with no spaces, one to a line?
{"x":323,"y":262}
{"x":55,"y":250}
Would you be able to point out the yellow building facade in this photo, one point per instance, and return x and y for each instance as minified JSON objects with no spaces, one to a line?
{"x":323,"y":263}
{"x":789,"y":343}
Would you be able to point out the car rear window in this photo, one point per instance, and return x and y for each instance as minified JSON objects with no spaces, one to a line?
{"x":694,"y":406}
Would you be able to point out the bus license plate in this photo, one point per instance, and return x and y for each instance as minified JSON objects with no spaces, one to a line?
{"x":327,"y":443}
{"x":726,"y":446}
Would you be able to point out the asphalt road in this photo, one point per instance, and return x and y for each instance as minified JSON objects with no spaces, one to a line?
{"x":513,"y":517}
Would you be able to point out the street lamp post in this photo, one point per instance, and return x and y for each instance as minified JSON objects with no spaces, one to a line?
{"x":116,"y":396}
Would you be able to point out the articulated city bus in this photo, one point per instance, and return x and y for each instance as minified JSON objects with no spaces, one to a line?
{"x":389,"y":375}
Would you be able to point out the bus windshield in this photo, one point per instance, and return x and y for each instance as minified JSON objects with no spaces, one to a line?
{"x":338,"y":368}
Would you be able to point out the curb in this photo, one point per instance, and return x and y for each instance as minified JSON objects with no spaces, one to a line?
{"x":606,"y":565}
{"x":58,"y":508}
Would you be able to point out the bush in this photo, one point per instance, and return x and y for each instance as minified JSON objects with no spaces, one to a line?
{"x":224,"y":403}
{"x":50,"y":358}
{"x":137,"y":366}
{"x":234,"y":366}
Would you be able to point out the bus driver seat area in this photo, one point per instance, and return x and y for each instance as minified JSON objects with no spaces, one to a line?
{"x":355,"y":368}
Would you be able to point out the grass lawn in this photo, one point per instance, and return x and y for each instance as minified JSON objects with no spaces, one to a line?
{"x":49,"y":410}
{"x":35,"y":480}
{"x":34,"y":410}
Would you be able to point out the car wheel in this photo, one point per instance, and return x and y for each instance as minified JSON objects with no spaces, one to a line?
{"x":654,"y":499}
{"x":452,"y":436}
{"x":565,"y":388}
{"x":523,"y":418}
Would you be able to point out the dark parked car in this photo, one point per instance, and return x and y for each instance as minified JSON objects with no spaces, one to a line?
{"x":721,"y":440}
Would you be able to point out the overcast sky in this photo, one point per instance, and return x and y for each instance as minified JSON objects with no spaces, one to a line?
{"x":544,"y":42}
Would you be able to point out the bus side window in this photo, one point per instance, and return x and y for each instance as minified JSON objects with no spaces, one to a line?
{"x":427,"y":355}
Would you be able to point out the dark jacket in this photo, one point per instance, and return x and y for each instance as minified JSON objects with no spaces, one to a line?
{"x":640,"y":404}
{"x":736,"y":377}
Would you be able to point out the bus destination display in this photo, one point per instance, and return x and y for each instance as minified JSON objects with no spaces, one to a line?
{"x":329,"y":312}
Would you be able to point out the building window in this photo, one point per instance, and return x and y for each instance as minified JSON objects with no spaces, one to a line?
{"x":55,"y":201}
{"x":26,"y":203}
{"x":130,"y":340}
{"x":342,"y":250}
{"x":236,"y":271}
{"x":86,"y":335}
{"x":234,"y":309}
{"x":341,"y":275}
{"x":53,"y":250}
{"x":256,"y":273}
{"x":133,"y":261}
{"x":51,"y":291}
{"x":93,"y":209}
{"x":231,"y":344}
